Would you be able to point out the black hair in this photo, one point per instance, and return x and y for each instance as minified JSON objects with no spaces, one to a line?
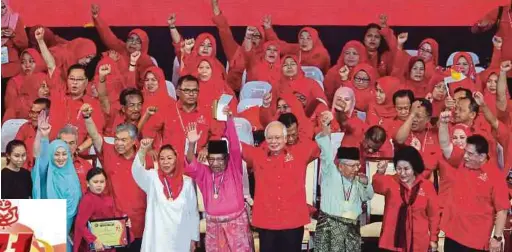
{"x":167,"y":147}
{"x":481,"y":145}
{"x":383,"y":47}
{"x":403,"y":93}
{"x":411,"y":155}
{"x":187,"y":77}
{"x":91,"y":67}
{"x":467,"y":92}
{"x":376,"y":134}
{"x":47,"y":103}
{"x":10,"y":147}
{"x":78,"y":66}
{"x":288,"y":119}
{"x":426,"y":104}
{"x":95,"y":171}
{"x":473,"y":106}
{"x":129,"y":91}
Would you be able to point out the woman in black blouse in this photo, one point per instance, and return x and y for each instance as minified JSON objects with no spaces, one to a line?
{"x":16,"y":180}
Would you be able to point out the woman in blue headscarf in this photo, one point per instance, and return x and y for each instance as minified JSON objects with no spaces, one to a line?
{"x":54,"y":176}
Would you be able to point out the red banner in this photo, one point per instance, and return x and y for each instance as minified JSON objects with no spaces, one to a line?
{"x":61,"y":13}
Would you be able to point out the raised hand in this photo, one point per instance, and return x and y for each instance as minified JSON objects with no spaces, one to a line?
{"x":104,"y":71}
{"x":172,"y":20}
{"x":86,"y":110}
{"x":363,"y":179}
{"x":249,"y":32}
{"x":134,"y":57}
{"x":506,"y":66}
{"x":43,"y":125}
{"x":95,"y":10}
{"x":383,"y":20}
{"x":479,"y":98}
{"x":430,"y":97}
{"x":187,"y":45}
{"x":449,"y":102}
{"x":145,"y":144}
{"x":402,"y":38}
{"x":114,"y":55}
{"x":202,"y":155}
{"x":415,"y":108}
{"x":192,"y":134}
{"x":151,"y":110}
{"x":344,"y":72}
{"x":445,"y":117}
{"x":497,"y":42}
{"x":267,"y":100}
{"x":382,"y":166}
{"x":39,"y":34}
{"x":267,"y":21}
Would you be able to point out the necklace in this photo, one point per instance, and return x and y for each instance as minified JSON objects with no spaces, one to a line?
{"x":168,"y":188}
{"x":346,"y":195}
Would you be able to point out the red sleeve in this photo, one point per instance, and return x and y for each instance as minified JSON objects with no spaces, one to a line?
{"x":381,"y":183}
{"x":85,"y":211}
{"x":332,"y":82}
{"x":236,"y":70}
{"x":496,"y":59}
{"x":107,"y":36}
{"x":249,"y":154}
{"x":500,"y":194}
{"x":456,"y":156}
{"x":20,"y":39}
{"x":491,"y":17}
{"x":284,"y":47}
{"x":389,"y":36}
{"x":400,"y":64}
{"x":11,"y":94}
{"x":433,"y":211}
{"x":177,"y":48}
{"x":228,"y":41}
{"x":99,"y":118}
{"x":323,"y":59}
{"x":266,"y":116}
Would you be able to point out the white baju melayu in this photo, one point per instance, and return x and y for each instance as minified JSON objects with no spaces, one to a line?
{"x":170,"y":225}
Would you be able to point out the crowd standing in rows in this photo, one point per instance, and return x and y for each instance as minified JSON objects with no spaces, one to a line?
{"x":388,"y":104}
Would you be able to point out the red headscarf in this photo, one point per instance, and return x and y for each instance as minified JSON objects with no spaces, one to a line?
{"x":50,"y":39}
{"x":437,"y":105}
{"x":359,"y":47}
{"x":115,"y":81}
{"x":262,"y":70}
{"x":302,"y":85}
{"x":175,"y":181}
{"x":200,"y":39}
{"x":213,"y":88}
{"x":363,"y":96}
{"x":419,"y":88}
{"x":69,"y":54}
{"x":472,"y":74}
{"x":313,"y":56}
{"x":144,"y":39}
{"x":160,"y":98}
{"x":490,"y":98}
{"x":463,"y":127}
{"x":389,"y":85}
{"x":435,"y":49}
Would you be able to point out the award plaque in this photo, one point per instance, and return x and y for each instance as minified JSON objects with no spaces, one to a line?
{"x":113,"y":232}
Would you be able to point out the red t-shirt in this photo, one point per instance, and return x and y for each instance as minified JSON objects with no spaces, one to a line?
{"x":27,"y":134}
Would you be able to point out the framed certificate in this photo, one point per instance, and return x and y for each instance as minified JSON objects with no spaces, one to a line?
{"x":113,"y":232}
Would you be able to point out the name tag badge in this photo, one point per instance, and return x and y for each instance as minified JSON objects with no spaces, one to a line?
{"x":5,"y":55}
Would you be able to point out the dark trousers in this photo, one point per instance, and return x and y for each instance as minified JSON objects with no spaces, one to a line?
{"x":509,"y":82}
{"x":287,"y":240}
{"x":453,"y":246}
{"x":4,"y":88}
{"x":134,"y":246}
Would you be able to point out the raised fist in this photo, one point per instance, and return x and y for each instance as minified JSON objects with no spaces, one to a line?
{"x":402,"y":38}
{"x":39,"y":34}
{"x":95,"y":10}
{"x":172,"y":20}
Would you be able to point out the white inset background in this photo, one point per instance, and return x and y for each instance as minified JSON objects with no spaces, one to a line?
{"x":47,"y":217}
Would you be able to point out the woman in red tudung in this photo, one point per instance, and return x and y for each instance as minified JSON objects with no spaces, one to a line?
{"x":310,"y":49}
{"x":353,"y":53}
{"x":411,"y":213}
{"x":380,"y":43}
{"x":362,"y":83}
{"x":414,"y":76}
{"x":382,"y":108}
{"x":266,"y":68}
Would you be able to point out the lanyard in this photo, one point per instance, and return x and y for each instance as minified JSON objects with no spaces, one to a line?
{"x":216,"y":189}
{"x":168,"y":188}
{"x":346,"y":195}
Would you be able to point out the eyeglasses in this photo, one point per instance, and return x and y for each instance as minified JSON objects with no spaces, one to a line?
{"x":190,"y":91}
{"x":425,"y":50}
{"x":134,"y":41}
{"x":76,"y":79}
{"x":361,"y":80}
{"x":218,"y":160}
{"x":32,"y":112}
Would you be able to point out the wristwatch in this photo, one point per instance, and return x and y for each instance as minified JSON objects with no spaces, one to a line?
{"x":498,"y":238}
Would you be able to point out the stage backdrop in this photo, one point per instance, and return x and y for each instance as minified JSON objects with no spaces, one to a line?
{"x":66,"y":13}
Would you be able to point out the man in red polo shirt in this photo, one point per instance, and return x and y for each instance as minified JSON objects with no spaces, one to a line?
{"x":131,"y":101}
{"x":187,"y":111}
{"x":66,"y":106}
{"x":280,"y":210}
{"x":478,"y":201}
{"x":117,"y":161}
{"x":417,"y":132}
{"x":27,"y":131}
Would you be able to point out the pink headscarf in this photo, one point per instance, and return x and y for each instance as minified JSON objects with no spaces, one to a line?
{"x":9,"y":19}
{"x":344,"y":92}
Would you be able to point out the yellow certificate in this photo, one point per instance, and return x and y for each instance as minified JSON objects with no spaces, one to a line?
{"x":113,"y":233}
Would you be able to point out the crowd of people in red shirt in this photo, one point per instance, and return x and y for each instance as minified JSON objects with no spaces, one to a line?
{"x":452,"y":123}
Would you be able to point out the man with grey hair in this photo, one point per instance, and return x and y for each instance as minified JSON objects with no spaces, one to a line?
{"x":280,"y":210}
{"x":69,"y":134}
{"x":117,"y":160}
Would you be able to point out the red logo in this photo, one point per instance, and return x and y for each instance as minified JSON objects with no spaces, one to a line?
{"x":8,"y":214}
